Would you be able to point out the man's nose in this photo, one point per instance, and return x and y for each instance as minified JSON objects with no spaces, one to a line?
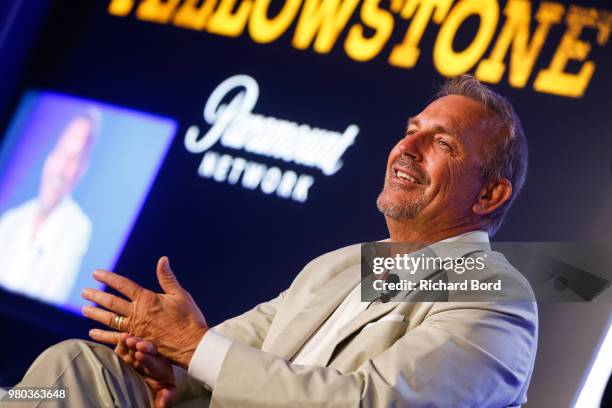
{"x":412,"y":145}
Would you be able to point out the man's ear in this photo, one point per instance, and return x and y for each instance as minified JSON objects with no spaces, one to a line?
{"x":492,"y":196}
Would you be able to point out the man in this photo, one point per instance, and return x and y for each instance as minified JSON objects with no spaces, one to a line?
{"x":450,"y":178}
{"x":43,"y":240}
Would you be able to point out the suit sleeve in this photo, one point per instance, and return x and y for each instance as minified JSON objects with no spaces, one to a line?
{"x":250,"y":328}
{"x":462,"y":354}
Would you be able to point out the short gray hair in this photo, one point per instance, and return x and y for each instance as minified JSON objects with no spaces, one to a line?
{"x":509,"y":156}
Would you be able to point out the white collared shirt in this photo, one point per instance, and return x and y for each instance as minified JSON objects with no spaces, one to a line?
{"x":208,"y":358}
{"x":43,"y":266}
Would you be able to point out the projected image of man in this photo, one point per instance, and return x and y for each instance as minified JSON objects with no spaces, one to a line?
{"x":43,"y":240}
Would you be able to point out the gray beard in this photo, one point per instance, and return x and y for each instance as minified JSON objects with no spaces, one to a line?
{"x":403,"y":211}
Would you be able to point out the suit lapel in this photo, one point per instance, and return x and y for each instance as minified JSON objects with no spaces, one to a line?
{"x":375,"y":311}
{"x":322,"y":303}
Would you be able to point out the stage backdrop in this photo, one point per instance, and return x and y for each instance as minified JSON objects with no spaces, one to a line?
{"x":286,"y":112}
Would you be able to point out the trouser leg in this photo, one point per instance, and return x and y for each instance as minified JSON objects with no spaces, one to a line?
{"x":92,"y":373}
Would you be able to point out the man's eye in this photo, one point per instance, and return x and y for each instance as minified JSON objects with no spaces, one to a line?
{"x":410,"y":132}
{"x":444,"y":144}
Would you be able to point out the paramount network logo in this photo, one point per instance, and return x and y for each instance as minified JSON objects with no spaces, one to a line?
{"x":233,"y":125}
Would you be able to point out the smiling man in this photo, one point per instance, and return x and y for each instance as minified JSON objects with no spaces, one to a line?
{"x":450,"y":179}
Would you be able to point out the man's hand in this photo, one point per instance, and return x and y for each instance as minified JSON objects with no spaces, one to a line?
{"x":155,"y":369}
{"x":170,"y":320}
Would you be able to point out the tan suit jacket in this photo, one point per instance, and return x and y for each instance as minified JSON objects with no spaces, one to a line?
{"x":444,"y":354}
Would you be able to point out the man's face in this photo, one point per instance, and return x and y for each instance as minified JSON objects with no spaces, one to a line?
{"x":433,"y":172}
{"x":66,"y":163}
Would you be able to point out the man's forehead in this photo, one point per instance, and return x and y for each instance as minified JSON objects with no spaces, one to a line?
{"x":445,"y":125}
{"x":455,"y":113}
{"x":76,"y":135}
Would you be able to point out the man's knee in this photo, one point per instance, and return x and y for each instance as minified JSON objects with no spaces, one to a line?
{"x":56,"y":359}
{"x":70,"y":350}
{"x":70,"y":347}
{"x":95,"y":371}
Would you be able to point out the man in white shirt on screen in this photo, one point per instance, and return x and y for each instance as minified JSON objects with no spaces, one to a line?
{"x":449,"y":181}
{"x":43,"y":240}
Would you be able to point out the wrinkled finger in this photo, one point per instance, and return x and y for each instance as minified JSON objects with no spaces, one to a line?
{"x":132,"y":341}
{"x":107,"y":300}
{"x":153,"y":364}
{"x":128,"y":359}
{"x":103,"y":316}
{"x":146,"y":346}
{"x":118,"y":282}
{"x":124,"y":351}
{"x":104,"y":336}
{"x":135,"y":363}
{"x":121,"y":348}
